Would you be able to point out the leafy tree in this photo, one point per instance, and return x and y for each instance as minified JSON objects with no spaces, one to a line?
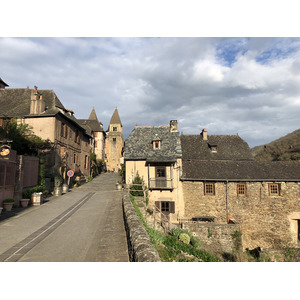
{"x":24,"y":141}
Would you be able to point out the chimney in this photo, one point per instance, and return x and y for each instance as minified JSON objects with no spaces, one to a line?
{"x":204,"y":134}
{"x":173,"y":126}
{"x":37,"y":104}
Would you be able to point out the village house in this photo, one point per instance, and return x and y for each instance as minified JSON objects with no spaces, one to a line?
{"x":222,"y":184}
{"x":95,"y":128}
{"x":154,"y":153}
{"x":49,"y":119}
{"x":114,"y":144}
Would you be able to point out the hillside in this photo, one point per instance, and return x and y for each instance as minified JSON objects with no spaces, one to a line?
{"x":284,"y":148}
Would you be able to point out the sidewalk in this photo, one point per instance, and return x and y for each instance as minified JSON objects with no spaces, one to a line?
{"x":99,"y":216}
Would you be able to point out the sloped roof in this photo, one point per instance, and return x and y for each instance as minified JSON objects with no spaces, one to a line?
{"x":93,"y":115}
{"x":15,"y":103}
{"x":229,"y":147}
{"x":240,"y":170}
{"x":138,"y":146}
{"x":115,"y":119}
{"x":3,"y":83}
{"x":91,"y":125}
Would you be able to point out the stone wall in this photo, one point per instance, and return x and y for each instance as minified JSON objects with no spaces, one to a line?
{"x":266,"y":221}
{"x":140,"y":246}
{"x":216,"y":238}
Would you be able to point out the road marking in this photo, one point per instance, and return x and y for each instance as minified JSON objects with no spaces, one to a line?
{"x":20,"y":249}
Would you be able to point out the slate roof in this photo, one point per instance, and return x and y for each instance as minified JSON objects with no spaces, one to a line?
{"x":115,"y":119}
{"x":92,"y":123}
{"x":16,"y":103}
{"x":229,"y":147}
{"x":241,"y":170}
{"x":138,"y":146}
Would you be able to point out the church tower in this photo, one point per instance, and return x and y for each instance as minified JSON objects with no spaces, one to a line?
{"x":114,"y":143}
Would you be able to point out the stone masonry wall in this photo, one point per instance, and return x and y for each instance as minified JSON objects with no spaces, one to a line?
{"x":266,"y":221}
{"x":216,"y":238}
{"x":140,"y":246}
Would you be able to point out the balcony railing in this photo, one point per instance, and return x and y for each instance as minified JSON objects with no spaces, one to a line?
{"x":161,"y":184}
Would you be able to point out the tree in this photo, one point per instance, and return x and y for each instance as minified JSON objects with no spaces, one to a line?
{"x":24,"y":141}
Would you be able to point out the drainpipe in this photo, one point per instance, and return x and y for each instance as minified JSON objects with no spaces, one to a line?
{"x":227,"y":214}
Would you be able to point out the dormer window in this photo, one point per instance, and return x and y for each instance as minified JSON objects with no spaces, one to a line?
{"x":156,"y":145}
{"x":213,"y":148}
{"x":156,"y":142}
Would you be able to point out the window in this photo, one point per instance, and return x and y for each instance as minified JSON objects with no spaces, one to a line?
{"x":64,"y":130}
{"x":115,"y":129}
{"x":156,"y":145}
{"x":114,"y":139}
{"x":209,"y":188}
{"x":86,"y":160}
{"x":213,"y":149}
{"x":76,"y":138}
{"x":160,"y":177}
{"x":165,"y":206}
{"x":241,"y":189}
{"x":274,"y":189}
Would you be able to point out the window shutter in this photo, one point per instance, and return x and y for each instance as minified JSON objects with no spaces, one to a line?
{"x":157,"y":205}
{"x":172,"y":207}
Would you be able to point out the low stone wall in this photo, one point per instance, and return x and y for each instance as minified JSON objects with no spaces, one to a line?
{"x":216,"y":238}
{"x":140,"y":247}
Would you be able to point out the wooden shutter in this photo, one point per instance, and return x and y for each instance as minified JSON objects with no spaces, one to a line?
{"x":172,"y":207}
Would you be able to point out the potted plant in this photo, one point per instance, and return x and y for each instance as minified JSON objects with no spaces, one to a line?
{"x":24,"y":202}
{"x":8,"y":204}
{"x":119,"y":185}
{"x":57,"y":185}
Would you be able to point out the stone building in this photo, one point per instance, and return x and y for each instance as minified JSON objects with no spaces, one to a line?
{"x":114,"y":144}
{"x":154,"y":153}
{"x":49,"y":119}
{"x":222,"y":184}
{"x":95,"y":128}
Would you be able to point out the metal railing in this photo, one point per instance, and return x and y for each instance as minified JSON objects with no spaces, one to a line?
{"x":157,"y":183}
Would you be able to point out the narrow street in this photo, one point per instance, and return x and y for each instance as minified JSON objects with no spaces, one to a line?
{"x":84,"y":225}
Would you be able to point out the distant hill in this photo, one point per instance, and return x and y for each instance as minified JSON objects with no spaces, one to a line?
{"x":284,"y":148}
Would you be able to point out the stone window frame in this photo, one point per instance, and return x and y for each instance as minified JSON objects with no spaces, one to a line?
{"x":274,"y":189}
{"x":211,"y":191}
{"x":115,"y":128}
{"x":241,"y":189}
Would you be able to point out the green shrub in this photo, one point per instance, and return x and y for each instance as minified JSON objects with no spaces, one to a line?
{"x":136,"y":189}
{"x":184,"y":238}
{"x":9,"y":200}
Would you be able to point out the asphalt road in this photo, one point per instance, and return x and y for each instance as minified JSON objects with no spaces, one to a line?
{"x":84,"y":225}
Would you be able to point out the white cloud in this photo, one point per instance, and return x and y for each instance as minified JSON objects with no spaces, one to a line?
{"x":225,"y":85}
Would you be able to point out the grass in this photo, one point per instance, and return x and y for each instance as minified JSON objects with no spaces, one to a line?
{"x":170,"y":248}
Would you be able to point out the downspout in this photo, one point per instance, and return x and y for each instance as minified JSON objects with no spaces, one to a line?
{"x":227,"y":213}
{"x":148,"y":175}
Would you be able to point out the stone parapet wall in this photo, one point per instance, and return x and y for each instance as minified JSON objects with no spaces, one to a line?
{"x":217,"y":238}
{"x":140,"y":246}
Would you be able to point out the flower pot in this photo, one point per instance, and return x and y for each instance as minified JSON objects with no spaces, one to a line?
{"x":36,"y":199}
{"x":65,"y":188}
{"x":8,"y":206}
{"x":24,"y":202}
{"x":57,"y":191}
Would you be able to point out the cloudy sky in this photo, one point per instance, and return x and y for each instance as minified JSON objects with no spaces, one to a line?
{"x":249,"y":86}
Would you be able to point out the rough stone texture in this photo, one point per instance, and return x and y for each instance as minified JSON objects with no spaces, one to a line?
{"x":217,"y":238}
{"x":140,"y":246}
{"x":266,"y":221}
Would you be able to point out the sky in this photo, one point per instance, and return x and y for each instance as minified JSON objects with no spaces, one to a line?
{"x":246,"y":86}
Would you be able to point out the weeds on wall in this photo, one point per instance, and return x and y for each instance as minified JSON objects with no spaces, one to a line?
{"x":173,"y":246}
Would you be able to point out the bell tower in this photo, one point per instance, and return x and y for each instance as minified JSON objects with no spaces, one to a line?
{"x":114,"y":143}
